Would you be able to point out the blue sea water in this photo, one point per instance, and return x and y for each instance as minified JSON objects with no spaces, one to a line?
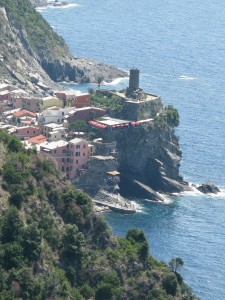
{"x":179,"y":47}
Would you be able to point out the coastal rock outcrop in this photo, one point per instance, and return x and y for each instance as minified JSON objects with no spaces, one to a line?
{"x":154,"y":159}
{"x":29,"y":45}
{"x":208,"y":188}
{"x":79,"y":70}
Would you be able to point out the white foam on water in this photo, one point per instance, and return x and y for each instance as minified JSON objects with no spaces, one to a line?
{"x":184,"y":77}
{"x":116,"y":81}
{"x":64,"y":6}
{"x":138,"y":206}
{"x":40,"y":9}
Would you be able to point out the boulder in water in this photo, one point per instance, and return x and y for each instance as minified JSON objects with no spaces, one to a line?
{"x":208,"y":188}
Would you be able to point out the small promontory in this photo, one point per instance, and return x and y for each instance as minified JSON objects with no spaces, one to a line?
{"x":31,"y":52}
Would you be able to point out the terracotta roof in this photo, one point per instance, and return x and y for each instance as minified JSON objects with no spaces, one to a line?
{"x":37,"y":139}
{"x":24,"y":112}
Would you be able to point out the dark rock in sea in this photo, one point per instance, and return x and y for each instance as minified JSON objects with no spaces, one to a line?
{"x":208,"y":188}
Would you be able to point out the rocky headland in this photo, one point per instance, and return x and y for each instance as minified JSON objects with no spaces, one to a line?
{"x":34,"y":57}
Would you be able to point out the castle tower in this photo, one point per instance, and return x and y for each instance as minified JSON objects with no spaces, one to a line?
{"x":134,"y":80}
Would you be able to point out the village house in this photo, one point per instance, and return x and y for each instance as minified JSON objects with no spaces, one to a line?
{"x":36,"y":140}
{"x":69,"y":157}
{"x":26,"y":132}
{"x":5,"y":95}
{"x":24,"y":117}
{"x":50,"y":101}
{"x":53,"y":115}
{"x":85,"y":114}
{"x":74,"y":98}
{"x":46,"y":129}
{"x":31,"y":103}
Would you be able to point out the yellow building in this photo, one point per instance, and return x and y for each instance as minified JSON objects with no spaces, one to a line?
{"x":50,"y":101}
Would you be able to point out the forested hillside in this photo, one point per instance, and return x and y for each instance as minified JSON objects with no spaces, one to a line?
{"x":53,"y":246}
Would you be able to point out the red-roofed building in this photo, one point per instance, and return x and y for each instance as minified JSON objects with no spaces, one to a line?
{"x":24,"y":113}
{"x":37,"y":139}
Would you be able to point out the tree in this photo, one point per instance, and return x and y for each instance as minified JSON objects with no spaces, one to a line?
{"x":172,"y":116}
{"x":176,"y":263}
{"x":104,"y":291}
{"x":73,"y":243}
{"x":12,"y":225}
{"x":79,"y":125}
{"x":170,"y":283}
{"x":99,"y":81}
{"x":31,"y":242}
{"x":91,"y":91}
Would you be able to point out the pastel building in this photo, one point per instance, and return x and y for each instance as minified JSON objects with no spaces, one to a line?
{"x":26,"y":132}
{"x":74,"y":98}
{"x":46,"y":129}
{"x":69,"y":157}
{"x":53,"y":115}
{"x":50,"y":101}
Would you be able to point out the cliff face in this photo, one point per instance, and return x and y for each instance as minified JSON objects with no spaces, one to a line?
{"x":150,"y":155}
{"x":29,"y":45}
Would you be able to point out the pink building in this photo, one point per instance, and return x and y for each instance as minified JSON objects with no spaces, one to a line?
{"x":69,"y":157}
{"x":26,"y":132}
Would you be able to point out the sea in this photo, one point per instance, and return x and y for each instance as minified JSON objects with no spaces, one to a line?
{"x":179,"y":47}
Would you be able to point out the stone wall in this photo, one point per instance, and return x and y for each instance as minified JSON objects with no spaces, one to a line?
{"x":141,"y":110}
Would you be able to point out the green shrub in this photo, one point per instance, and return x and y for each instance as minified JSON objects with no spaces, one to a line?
{"x":170,"y":283}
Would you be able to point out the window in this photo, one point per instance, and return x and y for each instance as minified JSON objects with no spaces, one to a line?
{"x":55,"y":151}
{"x":84,"y":154}
{"x":68,"y":160}
{"x":77,"y":161}
{"x":34,"y":131}
{"x":71,"y":161}
{"x":77,"y":146}
{"x":58,"y":120}
{"x":63,"y":159}
{"x":77,"y":153}
{"x":62,"y":169}
{"x":71,"y":168}
{"x":27,"y":131}
{"x":84,"y":146}
{"x":64,"y":151}
{"x":67,"y":169}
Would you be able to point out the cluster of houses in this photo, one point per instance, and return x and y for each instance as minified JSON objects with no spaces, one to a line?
{"x":42,"y":122}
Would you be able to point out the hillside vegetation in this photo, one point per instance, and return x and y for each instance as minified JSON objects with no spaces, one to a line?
{"x":41,"y":37}
{"x":53,"y":246}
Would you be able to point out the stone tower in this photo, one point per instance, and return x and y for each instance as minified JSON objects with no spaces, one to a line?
{"x":134,"y":80}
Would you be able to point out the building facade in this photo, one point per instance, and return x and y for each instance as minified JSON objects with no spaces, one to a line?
{"x":69,"y":157}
